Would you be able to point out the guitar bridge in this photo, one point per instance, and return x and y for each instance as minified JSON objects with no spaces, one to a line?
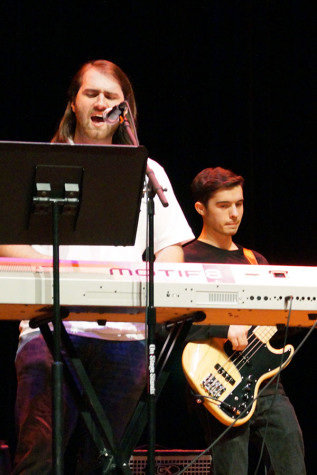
{"x":213,"y":386}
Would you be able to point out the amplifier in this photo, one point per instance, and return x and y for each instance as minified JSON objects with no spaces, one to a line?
{"x":171,"y":462}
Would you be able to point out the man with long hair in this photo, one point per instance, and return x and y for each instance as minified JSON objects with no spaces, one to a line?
{"x":113,"y":355}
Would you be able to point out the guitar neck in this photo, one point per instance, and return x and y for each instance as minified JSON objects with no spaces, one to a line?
{"x":264,"y":334}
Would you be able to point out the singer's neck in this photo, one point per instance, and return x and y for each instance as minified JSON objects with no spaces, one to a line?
{"x":95,"y":138}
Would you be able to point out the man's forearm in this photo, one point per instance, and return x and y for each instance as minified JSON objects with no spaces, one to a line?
{"x":23,"y":251}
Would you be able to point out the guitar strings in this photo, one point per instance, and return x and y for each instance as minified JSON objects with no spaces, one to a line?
{"x":239,"y":359}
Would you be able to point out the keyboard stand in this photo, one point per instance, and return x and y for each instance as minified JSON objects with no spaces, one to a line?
{"x":114,"y":458}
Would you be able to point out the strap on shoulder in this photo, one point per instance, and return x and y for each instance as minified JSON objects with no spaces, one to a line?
{"x":249,"y":255}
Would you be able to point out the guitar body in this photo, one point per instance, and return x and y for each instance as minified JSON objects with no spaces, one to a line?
{"x":228,"y":381}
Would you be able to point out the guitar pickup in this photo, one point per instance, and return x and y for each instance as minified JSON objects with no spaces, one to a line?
{"x":224,"y":373}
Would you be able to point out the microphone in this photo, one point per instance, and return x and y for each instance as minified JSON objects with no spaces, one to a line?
{"x":112,"y":114}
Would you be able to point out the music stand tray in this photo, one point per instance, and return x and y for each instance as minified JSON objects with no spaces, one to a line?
{"x":110,"y":181}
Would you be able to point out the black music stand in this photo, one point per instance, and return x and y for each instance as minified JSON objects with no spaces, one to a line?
{"x":60,"y":195}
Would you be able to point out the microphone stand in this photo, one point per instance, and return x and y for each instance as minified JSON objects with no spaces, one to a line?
{"x":156,"y":187}
{"x":153,"y":188}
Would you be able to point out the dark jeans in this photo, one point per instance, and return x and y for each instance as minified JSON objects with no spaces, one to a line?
{"x":284,"y":447}
{"x":117,"y":372}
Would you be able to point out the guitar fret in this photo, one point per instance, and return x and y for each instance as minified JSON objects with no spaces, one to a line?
{"x":264,"y":334}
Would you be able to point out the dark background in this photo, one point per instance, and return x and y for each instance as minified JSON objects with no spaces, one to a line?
{"x":217,"y":83}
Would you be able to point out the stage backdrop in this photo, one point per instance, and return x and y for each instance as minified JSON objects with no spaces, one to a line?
{"x":217,"y":83}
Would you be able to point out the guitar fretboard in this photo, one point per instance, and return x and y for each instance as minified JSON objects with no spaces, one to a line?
{"x":264,"y":334}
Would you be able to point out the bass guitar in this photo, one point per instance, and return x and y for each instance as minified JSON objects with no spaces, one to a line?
{"x":226,"y":381}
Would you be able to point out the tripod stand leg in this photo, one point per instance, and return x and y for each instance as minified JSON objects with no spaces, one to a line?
{"x":111,"y":459}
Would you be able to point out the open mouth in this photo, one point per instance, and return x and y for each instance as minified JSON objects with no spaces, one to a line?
{"x":97,"y":119}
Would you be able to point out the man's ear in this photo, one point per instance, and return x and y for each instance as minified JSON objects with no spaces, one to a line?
{"x":72,"y":106}
{"x":200,"y":208}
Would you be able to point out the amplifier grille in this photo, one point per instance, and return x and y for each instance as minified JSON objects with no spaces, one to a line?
{"x":172,"y":462}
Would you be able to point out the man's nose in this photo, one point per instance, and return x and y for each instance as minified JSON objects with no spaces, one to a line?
{"x":101,"y":101}
{"x":234,"y":211}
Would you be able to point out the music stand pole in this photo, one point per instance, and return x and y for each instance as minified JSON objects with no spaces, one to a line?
{"x":57,"y":367}
{"x":44,"y":197}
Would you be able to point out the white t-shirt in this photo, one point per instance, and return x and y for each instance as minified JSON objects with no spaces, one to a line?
{"x":170,"y":227}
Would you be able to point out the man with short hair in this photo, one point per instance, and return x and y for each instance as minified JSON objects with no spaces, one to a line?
{"x":218,"y":198}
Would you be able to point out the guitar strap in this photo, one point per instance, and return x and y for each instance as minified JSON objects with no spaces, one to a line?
{"x":249,"y":255}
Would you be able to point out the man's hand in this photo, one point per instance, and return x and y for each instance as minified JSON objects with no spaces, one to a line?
{"x":238,"y":336}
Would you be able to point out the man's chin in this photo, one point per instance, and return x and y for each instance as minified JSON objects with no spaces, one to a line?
{"x":231,"y":232}
{"x":98,"y":136}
